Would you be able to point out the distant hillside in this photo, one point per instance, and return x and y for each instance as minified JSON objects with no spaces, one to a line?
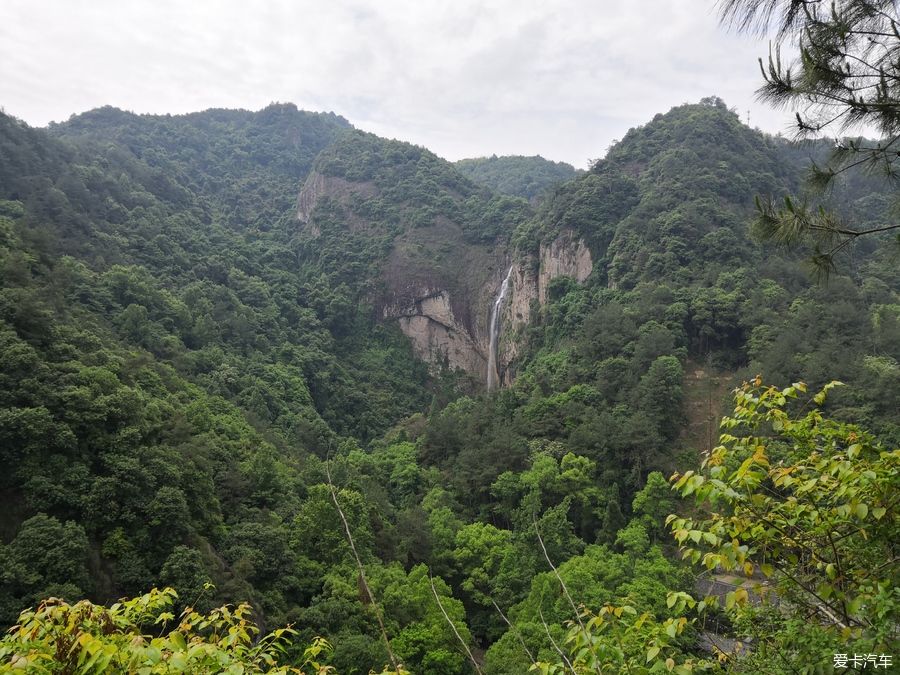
{"x":249,"y":161}
{"x":517,"y":175}
{"x":672,"y":200}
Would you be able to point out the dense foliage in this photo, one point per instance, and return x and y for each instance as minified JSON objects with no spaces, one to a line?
{"x":163,"y":366}
{"x":86,"y":638}
{"x":195,"y":386}
{"x":527,"y":177}
{"x":810,"y":557}
{"x":808,"y":503}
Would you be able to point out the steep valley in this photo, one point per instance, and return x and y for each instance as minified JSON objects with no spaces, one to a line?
{"x":216,"y":327}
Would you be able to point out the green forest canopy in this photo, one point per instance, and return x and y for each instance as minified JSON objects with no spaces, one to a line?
{"x":177,"y":366}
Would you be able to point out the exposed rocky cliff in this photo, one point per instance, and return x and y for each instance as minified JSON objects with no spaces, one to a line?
{"x":423,"y":268}
{"x":454,"y":331}
{"x":314,"y":187}
{"x":566,"y":255}
{"x":437,"y":335}
{"x":318,"y":186}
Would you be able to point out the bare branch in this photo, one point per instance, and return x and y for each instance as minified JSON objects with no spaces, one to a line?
{"x":514,"y":630}
{"x":452,"y":625}
{"x":558,"y":577}
{"x":553,"y":642}
{"x":362,"y":571}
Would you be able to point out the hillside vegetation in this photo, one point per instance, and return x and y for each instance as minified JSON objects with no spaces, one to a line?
{"x":527,"y":177}
{"x":192,"y":380}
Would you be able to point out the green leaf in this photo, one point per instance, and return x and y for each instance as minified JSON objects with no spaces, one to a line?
{"x":729,"y":600}
{"x":165,"y":616}
{"x":177,"y":639}
{"x":652,"y":652}
{"x":154,"y":655}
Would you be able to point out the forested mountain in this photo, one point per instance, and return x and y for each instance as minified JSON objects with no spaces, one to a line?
{"x":515,"y":175}
{"x":200,"y":314}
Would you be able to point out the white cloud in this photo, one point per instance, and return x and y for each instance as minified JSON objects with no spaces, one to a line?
{"x":467,"y":77}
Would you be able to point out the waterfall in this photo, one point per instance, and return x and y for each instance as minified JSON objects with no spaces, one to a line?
{"x":492,"y":374}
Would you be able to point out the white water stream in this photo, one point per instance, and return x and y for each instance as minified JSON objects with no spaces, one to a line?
{"x":492,"y":374}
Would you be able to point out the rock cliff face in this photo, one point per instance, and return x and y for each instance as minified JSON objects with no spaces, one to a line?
{"x":526,"y":289}
{"x":440,"y":289}
{"x":314,"y":187}
{"x":438,"y":336}
{"x":445,"y":331}
{"x":435,"y":284}
{"x":318,"y":186}
{"x":567,"y":255}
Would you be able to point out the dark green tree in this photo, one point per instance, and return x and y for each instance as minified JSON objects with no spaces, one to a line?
{"x":46,"y":558}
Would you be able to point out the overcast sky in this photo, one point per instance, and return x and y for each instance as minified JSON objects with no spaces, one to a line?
{"x":559,"y":78}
